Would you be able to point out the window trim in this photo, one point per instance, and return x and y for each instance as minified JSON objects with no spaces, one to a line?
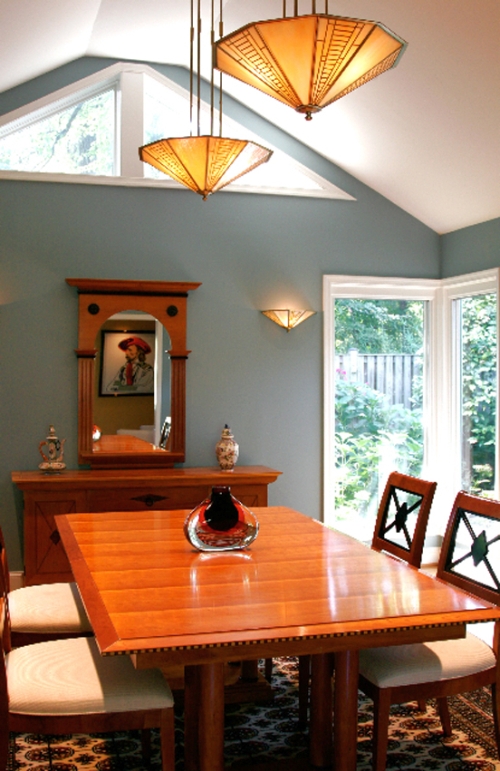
{"x":448,"y":453}
{"x":441,"y":408}
{"x":128,"y":79}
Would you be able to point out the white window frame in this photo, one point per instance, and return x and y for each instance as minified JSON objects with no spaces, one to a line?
{"x":128,"y":81}
{"x":441,"y":407}
{"x":448,"y":445}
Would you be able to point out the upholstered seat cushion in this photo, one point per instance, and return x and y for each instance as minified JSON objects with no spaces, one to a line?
{"x":425,"y":662}
{"x":48,"y":608}
{"x":71,"y":677}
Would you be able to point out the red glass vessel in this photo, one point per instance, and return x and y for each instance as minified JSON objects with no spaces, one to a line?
{"x":221,"y":523}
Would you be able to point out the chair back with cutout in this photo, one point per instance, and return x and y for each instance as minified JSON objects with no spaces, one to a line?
{"x":402,"y":517}
{"x":470,"y":554}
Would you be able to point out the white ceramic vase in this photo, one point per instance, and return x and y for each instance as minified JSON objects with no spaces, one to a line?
{"x":227,"y":450}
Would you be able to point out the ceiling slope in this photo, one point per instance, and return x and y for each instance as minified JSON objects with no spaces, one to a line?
{"x":425,"y":134}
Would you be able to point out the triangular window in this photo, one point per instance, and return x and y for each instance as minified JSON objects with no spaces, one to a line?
{"x":78,"y":139}
{"x":90,"y":132}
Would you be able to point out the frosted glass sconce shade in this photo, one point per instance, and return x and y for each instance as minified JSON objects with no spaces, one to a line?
{"x":287,"y":318}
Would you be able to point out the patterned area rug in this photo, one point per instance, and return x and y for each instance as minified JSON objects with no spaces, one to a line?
{"x":267,"y":733}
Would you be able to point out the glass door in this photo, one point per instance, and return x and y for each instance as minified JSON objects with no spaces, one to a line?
{"x":379,"y":385}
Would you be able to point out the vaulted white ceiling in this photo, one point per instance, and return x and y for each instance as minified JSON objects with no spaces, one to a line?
{"x":426,"y":134}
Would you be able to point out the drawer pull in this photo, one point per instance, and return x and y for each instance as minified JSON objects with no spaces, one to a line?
{"x":149,"y":499}
{"x":55,"y":537}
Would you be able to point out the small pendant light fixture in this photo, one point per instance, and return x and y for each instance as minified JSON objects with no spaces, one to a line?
{"x":308,"y":62}
{"x":206,"y":163}
{"x":288,"y":318}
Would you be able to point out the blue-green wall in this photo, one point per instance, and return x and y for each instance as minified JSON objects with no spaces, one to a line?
{"x":470,"y":249}
{"x":249,"y":251}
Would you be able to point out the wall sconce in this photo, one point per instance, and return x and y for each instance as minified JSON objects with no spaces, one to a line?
{"x":287,"y":318}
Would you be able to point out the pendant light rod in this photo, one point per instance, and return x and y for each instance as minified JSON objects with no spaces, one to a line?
{"x":221,"y":33}
{"x":296,"y":8}
{"x":204,"y":164}
{"x":199,"y":68}
{"x":212,"y":74}
{"x":191,"y":63}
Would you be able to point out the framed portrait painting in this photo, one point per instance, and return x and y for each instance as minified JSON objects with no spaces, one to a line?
{"x":127,"y":363}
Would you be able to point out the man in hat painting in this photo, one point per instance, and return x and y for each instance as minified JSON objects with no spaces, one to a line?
{"x":136,"y":374}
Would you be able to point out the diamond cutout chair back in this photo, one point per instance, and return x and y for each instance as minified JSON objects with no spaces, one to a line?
{"x":470,"y":555}
{"x":402,"y":517}
{"x":469,"y":560}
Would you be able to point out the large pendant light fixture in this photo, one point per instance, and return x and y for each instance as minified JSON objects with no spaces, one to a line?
{"x":204,"y":163}
{"x":308,"y":62}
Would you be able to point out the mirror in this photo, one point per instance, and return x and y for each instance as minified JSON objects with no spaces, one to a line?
{"x":101,"y":303}
{"x":132,"y":376}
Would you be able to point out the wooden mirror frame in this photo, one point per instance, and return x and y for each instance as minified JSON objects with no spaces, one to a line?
{"x":98,"y":300}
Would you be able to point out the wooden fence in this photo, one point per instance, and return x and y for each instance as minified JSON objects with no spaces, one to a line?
{"x":391,"y":374}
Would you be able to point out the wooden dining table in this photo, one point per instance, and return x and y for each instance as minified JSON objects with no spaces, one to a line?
{"x":301,"y":588}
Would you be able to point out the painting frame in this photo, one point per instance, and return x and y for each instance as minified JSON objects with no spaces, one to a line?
{"x":114,"y":359}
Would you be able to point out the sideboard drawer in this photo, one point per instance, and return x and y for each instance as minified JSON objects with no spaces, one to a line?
{"x":142,"y":498}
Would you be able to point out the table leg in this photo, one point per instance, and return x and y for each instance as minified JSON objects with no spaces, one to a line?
{"x":211,"y":717}
{"x":320,"y":725}
{"x":345,"y":713}
{"x":249,"y":671}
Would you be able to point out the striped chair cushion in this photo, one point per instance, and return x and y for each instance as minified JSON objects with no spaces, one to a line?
{"x":70,"y":677}
{"x":48,"y":608}
{"x":425,"y":662}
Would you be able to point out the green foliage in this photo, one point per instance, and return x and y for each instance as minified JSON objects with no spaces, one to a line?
{"x":78,"y":139}
{"x":479,"y":342}
{"x":378,"y":326}
{"x":368,"y":430}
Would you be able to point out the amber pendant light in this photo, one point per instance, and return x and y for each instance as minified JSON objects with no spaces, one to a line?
{"x":204,"y":163}
{"x":308,"y":62}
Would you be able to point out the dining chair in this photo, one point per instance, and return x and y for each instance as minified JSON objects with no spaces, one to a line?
{"x":402,"y":517}
{"x":66,"y":686}
{"x":469,"y":560}
{"x":45,"y":611}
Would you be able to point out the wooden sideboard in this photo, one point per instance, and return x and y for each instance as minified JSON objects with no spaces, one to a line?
{"x":46,"y":495}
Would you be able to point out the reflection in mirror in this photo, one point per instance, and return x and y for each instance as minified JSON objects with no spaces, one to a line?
{"x":132,"y":361}
{"x":99,"y":300}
